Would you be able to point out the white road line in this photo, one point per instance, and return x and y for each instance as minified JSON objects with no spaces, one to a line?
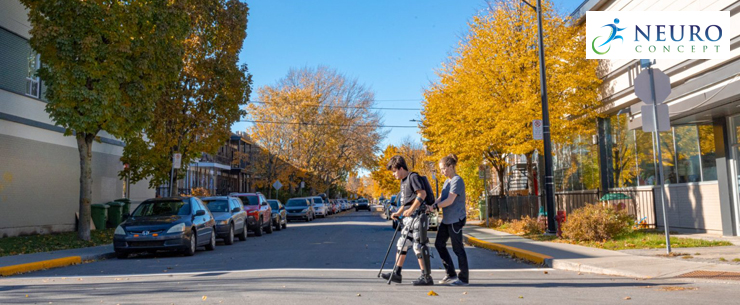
{"x":223,"y":272}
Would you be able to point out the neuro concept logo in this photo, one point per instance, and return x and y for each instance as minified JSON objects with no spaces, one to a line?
{"x":658,"y":35}
{"x":612,"y":36}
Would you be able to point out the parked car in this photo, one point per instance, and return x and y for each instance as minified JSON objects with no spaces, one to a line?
{"x":231,"y":219}
{"x":435,"y":218}
{"x":362,"y":204}
{"x":170,"y":223}
{"x":279,"y":215}
{"x":387,"y":207}
{"x":345,"y":205}
{"x":259,"y":213}
{"x":394,"y":206}
{"x":319,"y":207}
{"x":300,"y":208}
{"x":336,"y":208}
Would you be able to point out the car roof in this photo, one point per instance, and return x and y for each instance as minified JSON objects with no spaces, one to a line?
{"x":168,"y":198}
{"x":245,"y":194}
{"x":215,"y":197}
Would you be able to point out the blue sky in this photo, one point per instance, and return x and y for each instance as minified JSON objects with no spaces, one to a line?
{"x":394,"y":47}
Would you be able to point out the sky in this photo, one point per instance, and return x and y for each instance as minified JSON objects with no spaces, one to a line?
{"x":394,"y":47}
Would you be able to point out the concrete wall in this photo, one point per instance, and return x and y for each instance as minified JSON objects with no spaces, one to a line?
{"x":40,"y":186}
{"x":692,"y":207}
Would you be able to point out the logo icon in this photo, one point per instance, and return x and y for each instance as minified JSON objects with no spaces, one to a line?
{"x":612,"y":36}
{"x":145,"y":233}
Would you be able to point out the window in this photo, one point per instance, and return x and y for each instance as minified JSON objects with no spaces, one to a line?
{"x":708,"y":155}
{"x":32,"y":81}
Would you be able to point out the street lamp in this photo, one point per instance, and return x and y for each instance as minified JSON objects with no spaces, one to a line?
{"x":549,"y":195}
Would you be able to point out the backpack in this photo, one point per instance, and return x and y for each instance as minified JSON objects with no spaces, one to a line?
{"x":429,"y":200}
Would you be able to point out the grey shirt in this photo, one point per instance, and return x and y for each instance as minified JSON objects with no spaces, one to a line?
{"x":456,"y":211}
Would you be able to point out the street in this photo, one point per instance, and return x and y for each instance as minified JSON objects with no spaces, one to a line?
{"x":330,"y":261}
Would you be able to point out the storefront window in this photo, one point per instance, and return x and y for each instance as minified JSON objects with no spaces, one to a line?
{"x":645,"y":157}
{"x":706,"y":144}
{"x":624,"y":154}
{"x":669,"y":157}
{"x":688,"y":165}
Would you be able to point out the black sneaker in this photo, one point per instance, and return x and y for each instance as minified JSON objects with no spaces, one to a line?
{"x":396,"y":277}
{"x":423,"y":281}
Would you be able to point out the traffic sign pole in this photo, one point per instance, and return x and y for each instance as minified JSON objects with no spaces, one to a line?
{"x":656,"y":137}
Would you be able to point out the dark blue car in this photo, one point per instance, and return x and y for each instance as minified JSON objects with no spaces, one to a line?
{"x":171,"y":223}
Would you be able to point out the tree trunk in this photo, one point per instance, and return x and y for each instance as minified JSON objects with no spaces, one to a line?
{"x":84,"y":145}
{"x":173,"y":184}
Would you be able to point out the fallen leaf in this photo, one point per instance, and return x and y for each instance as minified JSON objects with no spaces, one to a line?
{"x":628,"y":298}
{"x":546,"y":272}
{"x":432,"y":293}
{"x":204,"y":298}
{"x":359,"y":295}
{"x":26,"y":295}
{"x":521,"y":297}
{"x":465,"y":292}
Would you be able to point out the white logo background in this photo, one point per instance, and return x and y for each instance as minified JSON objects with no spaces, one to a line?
{"x":628,"y":48}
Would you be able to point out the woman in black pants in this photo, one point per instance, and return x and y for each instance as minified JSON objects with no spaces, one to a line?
{"x":452,"y":202}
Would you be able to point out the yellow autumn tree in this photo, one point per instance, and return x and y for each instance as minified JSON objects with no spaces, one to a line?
{"x":488,"y":92}
{"x":320,"y":121}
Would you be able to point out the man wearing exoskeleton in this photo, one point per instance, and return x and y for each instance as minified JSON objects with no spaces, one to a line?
{"x":415,"y":223}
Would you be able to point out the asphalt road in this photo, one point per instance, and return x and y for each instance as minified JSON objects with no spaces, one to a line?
{"x":331,"y":261}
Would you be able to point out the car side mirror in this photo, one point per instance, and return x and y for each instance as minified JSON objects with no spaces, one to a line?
{"x":200,"y":213}
{"x":236,"y":210}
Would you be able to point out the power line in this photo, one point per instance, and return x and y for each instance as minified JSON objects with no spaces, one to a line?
{"x":325,"y":124}
{"x":353,"y":107}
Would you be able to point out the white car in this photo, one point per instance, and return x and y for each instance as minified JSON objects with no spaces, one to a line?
{"x":320,"y":209}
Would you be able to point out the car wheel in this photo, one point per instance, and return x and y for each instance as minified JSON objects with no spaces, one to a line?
{"x":212,"y":243}
{"x":229,"y":239}
{"x":191,"y":249}
{"x":243,"y":235}
{"x":258,"y":232}
{"x":269,"y":227}
{"x":278,"y":225}
{"x":121,"y":255}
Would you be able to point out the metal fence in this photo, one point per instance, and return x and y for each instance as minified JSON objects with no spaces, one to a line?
{"x":638,"y":202}
{"x":514,"y":207}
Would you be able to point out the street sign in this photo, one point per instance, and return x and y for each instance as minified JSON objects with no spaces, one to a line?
{"x":177,"y":161}
{"x":277,"y":185}
{"x":664,"y":122}
{"x":662,"y":86}
{"x":537,"y":129}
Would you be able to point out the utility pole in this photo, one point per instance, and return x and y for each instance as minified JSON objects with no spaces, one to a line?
{"x":549,"y":187}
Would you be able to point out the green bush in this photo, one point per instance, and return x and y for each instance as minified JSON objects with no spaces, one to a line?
{"x":596,"y":222}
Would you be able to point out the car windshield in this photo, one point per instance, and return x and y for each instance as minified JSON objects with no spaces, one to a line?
{"x":273,"y":204}
{"x":162,"y":208}
{"x":296,"y":203}
{"x":318,"y":201}
{"x":217,"y":205}
{"x":250,"y":200}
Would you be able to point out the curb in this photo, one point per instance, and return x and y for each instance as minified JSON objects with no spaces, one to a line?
{"x":53,"y":263}
{"x":534,"y":257}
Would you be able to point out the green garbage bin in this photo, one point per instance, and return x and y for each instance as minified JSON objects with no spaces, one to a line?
{"x":126,"y":205}
{"x":482,"y":208}
{"x":115,"y":215}
{"x":98,"y":212}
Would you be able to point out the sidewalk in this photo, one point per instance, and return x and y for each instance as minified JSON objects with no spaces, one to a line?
{"x":23,"y":263}
{"x":593,"y":260}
